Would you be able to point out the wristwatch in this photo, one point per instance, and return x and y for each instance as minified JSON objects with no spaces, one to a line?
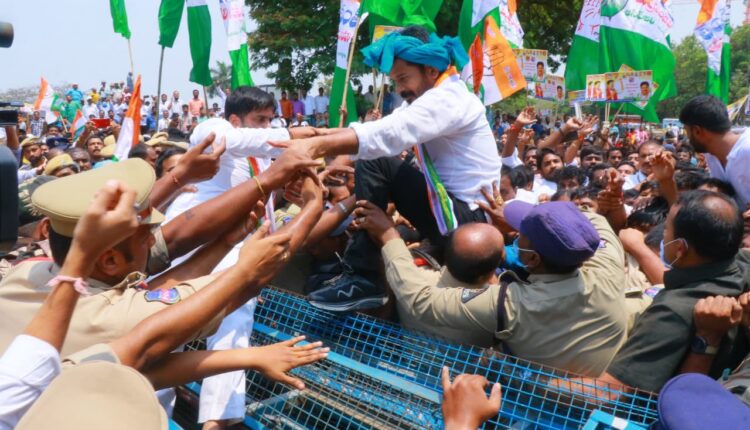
{"x":700,"y":345}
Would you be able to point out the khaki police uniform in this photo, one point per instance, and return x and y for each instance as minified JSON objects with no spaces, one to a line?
{"x":574,"y":321}
{"x":112,"y":310}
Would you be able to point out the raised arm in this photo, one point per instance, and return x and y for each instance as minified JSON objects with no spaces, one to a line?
{"x":554,"y":139}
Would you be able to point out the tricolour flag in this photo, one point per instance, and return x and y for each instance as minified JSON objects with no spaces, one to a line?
{"x":349,"y":17}
{"x":583,"y":57}
{"x":233,"y":14}
{"x":199,"y":27}
{"x":492,"y":72}
{"x":636,"y":33}
{"x":48,"y":102}
{"x":119,"y":17}
{"x":131,"y":124}
{"x":170,"y":15}
{"x":78,"y":124}
{"x":713,"y":31}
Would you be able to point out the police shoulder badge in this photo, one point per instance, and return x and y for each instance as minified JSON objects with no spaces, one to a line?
{"x":469,"y":293}
{"x":168,"y":297}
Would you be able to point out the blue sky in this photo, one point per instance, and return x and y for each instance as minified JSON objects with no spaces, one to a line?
{"x":73,"y":41}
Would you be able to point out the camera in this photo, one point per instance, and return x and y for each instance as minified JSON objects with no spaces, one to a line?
{"x":6,"y":34}
{"x":9,"y":113}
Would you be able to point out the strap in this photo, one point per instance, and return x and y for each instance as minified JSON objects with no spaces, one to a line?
{"x":502,"y":346}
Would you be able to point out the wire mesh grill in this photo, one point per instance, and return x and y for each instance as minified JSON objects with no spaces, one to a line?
{"x":380,"y":375}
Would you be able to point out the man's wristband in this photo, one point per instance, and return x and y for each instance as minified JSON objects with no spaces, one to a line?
{"x":260,"y":187}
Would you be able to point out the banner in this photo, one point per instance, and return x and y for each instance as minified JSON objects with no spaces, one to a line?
{"x":533,"y":63}
{"x":623,"y":86}
{"x":552,"y":89}
{"x":576,"y":97}
{"x":583,"y":57}
{"x":348,"y":19}
{"x":233,"y":14}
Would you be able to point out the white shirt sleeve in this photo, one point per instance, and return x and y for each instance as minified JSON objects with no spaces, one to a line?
{"x":26,"y":369}
{"x":428,"y":117}
{"x":241,"y":142}
{"x":513,"y":160}
{"x":26,"y":174}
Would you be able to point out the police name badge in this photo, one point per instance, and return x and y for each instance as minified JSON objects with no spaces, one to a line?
{"x":469,"y":293}
{"x":168,"y":297}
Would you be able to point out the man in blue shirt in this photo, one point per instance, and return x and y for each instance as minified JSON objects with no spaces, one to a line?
{"x":75,"y":94}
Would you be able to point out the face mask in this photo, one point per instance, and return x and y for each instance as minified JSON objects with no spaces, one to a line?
{"x":661,"y":253}
{"x":512,"y":257}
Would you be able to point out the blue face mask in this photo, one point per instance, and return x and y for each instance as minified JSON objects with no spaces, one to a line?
{"x":661,"y":253}
{"x":512,"y":256}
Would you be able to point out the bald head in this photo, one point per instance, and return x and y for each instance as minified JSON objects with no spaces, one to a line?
{"x":710,"y":222}
{"x":474,"y":251}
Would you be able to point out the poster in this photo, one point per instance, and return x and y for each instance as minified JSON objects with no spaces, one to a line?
{"x":552,"y":88}
{"x":622,"y":86}
{"x":578,"y":96}
{"x":381,"y":31}
{"x":533,"y":63}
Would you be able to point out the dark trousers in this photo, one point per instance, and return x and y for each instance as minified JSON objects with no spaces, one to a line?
{"x":392,"y":179}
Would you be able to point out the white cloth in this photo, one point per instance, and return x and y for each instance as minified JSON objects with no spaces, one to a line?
{"x":90,"y":109}
{"x":543,"y":186}
{"x":736,"y":171}
{"x":234,"y":167}
{"x":513,"y":160}
{"x":451,"y":122}
{"x":309,"y":101}
{"x":223,"y":396}
{"x":26,"y":369}
{"x":175,"y":106}
{"x":302,"y":123}
{"x":163,"y":124}
{"x":526,"y":196}
{"x":633,"y":180}
{"x":321,"y":104}
{"x":25,"y":173}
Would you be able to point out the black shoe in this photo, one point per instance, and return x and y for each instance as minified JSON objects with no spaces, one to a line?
{"x":348,"y":292}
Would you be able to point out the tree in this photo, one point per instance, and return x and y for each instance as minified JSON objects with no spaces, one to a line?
{"x":222,"y":77}
{"x":297,"y":39}
{"x":692,"y":66}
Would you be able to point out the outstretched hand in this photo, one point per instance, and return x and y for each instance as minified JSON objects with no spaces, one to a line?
{"x":276,"y":360}
{"x":196,"y":166}
{"x":262,"y":256}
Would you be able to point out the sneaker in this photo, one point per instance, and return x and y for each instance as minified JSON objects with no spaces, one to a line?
{"x":348,"y":292}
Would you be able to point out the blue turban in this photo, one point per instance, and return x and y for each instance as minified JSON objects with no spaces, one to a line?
{"x":437,"y":52}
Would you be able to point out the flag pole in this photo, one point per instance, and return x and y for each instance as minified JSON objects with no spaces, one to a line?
{"x":205,"y":99}
{"x":130,"y":53}
{"x":342,"y":114}
{"x":158,"y":89}
{"x":381,"y":95}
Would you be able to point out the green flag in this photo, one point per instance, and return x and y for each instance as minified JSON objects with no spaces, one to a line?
{"x":583,"y":57}
{"x":233,"y":14}
{"x":170,"y":15}
{"x":713,"y":31}
{"x":402,"y":13}
{"x":637,"y":36}
{"x":199,"y":27}
{"x":119,"y":17}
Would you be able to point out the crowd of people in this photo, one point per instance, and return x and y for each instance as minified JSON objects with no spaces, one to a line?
{"x":616,"y":252}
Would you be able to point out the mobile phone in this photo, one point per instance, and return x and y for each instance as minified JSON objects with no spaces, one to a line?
{"x":101,"y":122}
{"x":8,"y":117}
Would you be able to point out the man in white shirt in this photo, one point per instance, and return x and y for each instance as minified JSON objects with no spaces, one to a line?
{"x":164,"y":105}
{"x":709,"y":129}
{"x":549,"y":165}
{"x":175,"y":104}
{"x":309,"y":102}
{"x":163,"y":123}
{"x":90,"y":109}
{"x":445,"y":122}
{"x":245,"y":131}
{"x":321,"y":106}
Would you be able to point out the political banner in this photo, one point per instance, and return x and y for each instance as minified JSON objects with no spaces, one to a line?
{"x":578,"y":96}
{"x":622,"y":86}
{"x":533,"y":63}
{"x":552,"y":89}
{"x":381,"y":31}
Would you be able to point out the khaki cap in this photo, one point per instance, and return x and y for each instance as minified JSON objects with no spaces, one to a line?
{"x":96,"y":395}
{"x":65,"y":200}
{"x":108,"y":151}
{"x":109,"y":140}
{"x":31,"y":140}
{"x":59,"y":162}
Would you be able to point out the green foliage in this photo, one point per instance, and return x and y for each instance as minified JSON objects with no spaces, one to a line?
{"x":221,"y":75}
{"x":692,"y":67}
{"x":296,"y":40}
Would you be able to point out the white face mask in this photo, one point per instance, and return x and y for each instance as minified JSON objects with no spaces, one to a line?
{"x":662,"y":245}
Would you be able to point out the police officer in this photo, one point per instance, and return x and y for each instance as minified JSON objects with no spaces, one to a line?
{"x":120,"y":298}
{"x":569,"y":314}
